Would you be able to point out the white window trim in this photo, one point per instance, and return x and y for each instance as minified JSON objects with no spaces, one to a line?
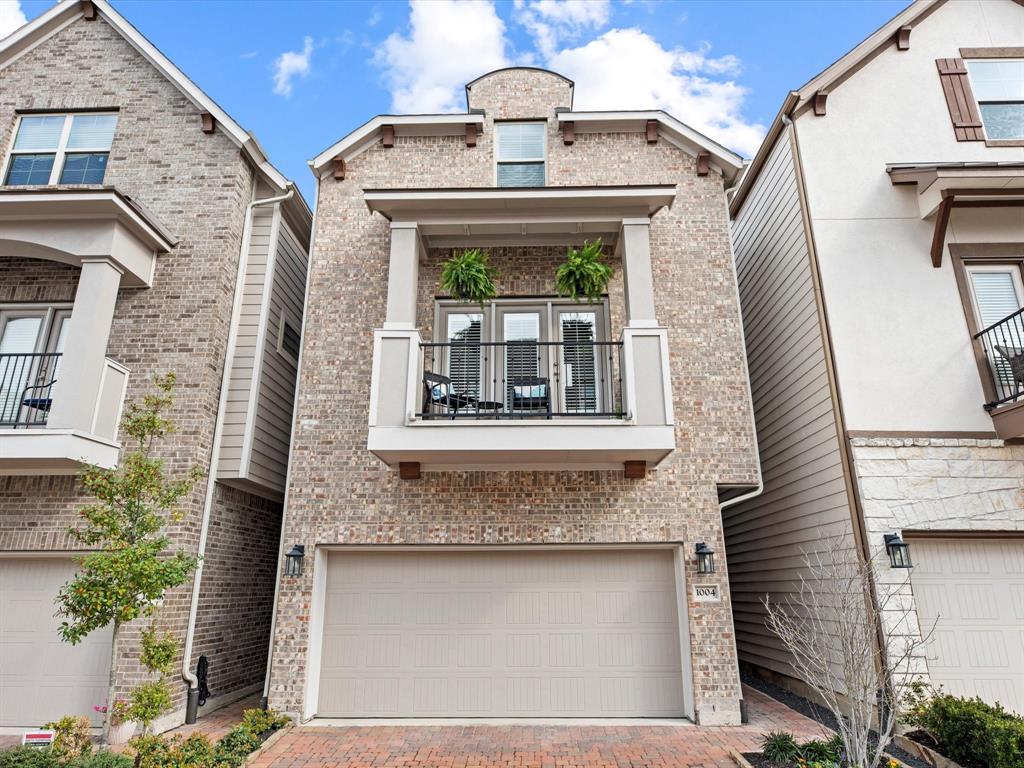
{"x":52,"y":316}
{"x":282,"y":322}
{"x":61,"y":152}
{"x":543,"y":160}
{"x":979,"y":102}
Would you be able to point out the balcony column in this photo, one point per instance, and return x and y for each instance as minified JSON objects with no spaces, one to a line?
{"x":77,"y":389}
{"x":403,"y":275}
{"x":637,"y":274}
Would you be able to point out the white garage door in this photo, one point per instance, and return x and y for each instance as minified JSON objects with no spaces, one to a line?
{"x":514,"y":633}
{"x":974,"y":590}
{"x":41,"y":678}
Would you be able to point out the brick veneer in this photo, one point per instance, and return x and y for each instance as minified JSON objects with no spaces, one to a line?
{"x":340,"y":494}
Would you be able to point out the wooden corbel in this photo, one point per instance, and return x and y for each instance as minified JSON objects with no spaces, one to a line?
{"x":387,"y":135}
{"x":88,"y":8}
{"x":652,"y":131}
{"x":903,"y":37}
{"x":470,"y":134}
{"x":819,"y":102}
{"x":569,"y":133}
{"x":703,"y":163}
{"x":634,"y":470}
{"x":941,"y":224}
{"x":338,"y":164}
{"x":409,"y":470}
{"x":209,"y":122}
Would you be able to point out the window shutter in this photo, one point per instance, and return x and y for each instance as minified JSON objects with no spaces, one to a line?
{"x":963,"y":109}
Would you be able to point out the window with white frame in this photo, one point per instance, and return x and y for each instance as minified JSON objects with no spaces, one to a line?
{"x":998,"y":86}
{"x":519,"y":153}
{"x":61,"y":149}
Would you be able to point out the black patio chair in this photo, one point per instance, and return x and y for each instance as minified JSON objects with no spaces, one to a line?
{"x":439,"y":394}
{"x":529,"y":396}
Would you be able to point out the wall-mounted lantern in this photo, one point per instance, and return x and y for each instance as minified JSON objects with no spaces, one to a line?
{"x":705,"y":558}
{"x":293,"y":560}
{"x":899,"y":551}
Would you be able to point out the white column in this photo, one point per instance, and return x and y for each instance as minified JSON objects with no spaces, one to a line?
{"x":85,"y":347}
{"x":638,"y":276}
{"x":403,"y":276}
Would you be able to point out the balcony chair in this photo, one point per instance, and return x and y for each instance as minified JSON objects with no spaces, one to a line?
{"x":529,"y":396}
{"x":1015,"y":357}
{"x":439,"y":394}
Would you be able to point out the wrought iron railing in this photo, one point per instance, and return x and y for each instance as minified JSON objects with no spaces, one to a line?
{"x":26,"y":387}
{"x":1003,"y":344}
{"x":522,"y":380}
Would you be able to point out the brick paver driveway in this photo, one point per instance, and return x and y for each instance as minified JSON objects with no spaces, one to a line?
{"x":528,"y":746}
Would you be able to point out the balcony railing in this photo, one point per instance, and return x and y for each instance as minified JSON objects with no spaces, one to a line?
{"x":1003,"y":344}
{"x":26,"y":388}
{"x":522,"y":380}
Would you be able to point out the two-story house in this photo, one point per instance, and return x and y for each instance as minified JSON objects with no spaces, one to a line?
{"x":879,"y":238}
{"x":495,"y":510}
{"x":142,"y":231}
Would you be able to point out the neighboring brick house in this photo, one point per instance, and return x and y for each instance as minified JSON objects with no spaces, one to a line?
{"x":879,"y":238}
{"x":131,"y":244}
{"x":499,"y":506}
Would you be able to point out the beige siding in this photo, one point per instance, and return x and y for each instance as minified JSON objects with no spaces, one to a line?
{"x":805,"y":492}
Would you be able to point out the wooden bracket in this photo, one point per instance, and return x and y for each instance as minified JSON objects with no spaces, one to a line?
{"x":569,"y":133}
{"x":409,"y":470}
{"x":652,"y":131}
{"x":903,"y":37}
{"x":209,"y":122}
{"x":88,"y":8}
{"x":338,"y":164}
{"x":819,"y":102}
{"x":703,"y":163}
{"x":387,"y":135}
{"x":941,"y":223}
{"x":470,"y":134}
{"x":635,"y":470}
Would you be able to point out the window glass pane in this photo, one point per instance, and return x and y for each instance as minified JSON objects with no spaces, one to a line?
{"x":997,"y":80}
{"x":995,"y":294}
{"x":39,"y":132}
{"x":465,"y":356}
{"x":1003,"y":121}
{"x":521,"y":175}
{"x":84,"y":168}
{"x":20,"y":334}
{"x":291,"y":340}
{"x":579,"y":361}
{"x":92,"y":131}
{"x":520,"y":141}
{"x":29,"y":169}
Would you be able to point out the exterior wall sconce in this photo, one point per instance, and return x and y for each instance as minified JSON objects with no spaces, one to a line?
{"x":293,"y":560}
{"x":705,"y":558}
{"x":899,"y":551}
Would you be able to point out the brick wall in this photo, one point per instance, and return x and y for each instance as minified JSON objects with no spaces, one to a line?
{"x":32,"y":280}
{"x":339,"y":493}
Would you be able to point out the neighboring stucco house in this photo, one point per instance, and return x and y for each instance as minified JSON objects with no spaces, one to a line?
{"x":498,"y":506}
{"x":879,"y":237}
{"x":142,"y":231}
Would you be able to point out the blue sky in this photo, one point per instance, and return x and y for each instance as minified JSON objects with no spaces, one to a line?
{"x":301,"y":74}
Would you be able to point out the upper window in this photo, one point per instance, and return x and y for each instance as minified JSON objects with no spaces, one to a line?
{"x":520,"y":154}
{"x":998,"y":86}
{"x":61,"y":149}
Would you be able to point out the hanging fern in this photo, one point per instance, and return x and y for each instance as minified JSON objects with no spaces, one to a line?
{"x":584,"y":274}
{"x":469,"y":278}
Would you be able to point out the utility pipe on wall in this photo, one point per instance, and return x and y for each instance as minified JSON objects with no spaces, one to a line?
{"x":192,"y":705}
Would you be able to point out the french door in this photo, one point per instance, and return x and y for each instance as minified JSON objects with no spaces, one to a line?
{"x":31,"y":340}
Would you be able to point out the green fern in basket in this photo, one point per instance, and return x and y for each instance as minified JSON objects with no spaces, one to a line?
{"x":584,"y":274}
{"x":469,"y":278}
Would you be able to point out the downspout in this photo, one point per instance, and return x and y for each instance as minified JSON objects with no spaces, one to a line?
{"x":265,"y":699}
{"x":192,"y":704}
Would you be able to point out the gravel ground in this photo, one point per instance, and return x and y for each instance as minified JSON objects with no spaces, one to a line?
{"x":815,"y":712}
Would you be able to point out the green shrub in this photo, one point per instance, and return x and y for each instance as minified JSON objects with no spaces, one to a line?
{"x":780,"y":747}
{"x":196,"y":751}
{"x":150,"y":700}
{"x":72,"y":737}
{"x":101,"y":759}
{"x":260,"y":721}
{"x":817,"y":751}
{"x":28,"y":757}
{"x":235,"y":747}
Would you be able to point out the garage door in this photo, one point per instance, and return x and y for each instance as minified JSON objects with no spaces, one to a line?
{"x":974,"y":590}
{"x":41,"y":678}
{"x":515,"y":633}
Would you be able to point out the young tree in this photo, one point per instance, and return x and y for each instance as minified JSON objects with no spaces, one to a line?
{"x":132,"y":567}
{"x":856,"y":645}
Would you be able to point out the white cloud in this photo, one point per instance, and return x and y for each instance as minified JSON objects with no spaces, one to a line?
{"x":11,"y":16}
{"x":629,"y":69}
{"x":292,"y":64}
{"x":551,"y":22}
{"x":449,"y":43}
{"x":249,"y":55}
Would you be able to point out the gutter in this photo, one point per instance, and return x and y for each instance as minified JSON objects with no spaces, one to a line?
{"x":192,"y":705}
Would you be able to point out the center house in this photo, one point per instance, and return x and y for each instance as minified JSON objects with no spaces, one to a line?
{"x":495,"y":510}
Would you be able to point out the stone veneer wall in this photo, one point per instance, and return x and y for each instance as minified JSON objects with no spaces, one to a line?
{"x":340,"y":494}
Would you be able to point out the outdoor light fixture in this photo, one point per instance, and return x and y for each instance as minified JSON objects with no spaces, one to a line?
{"x":705,"y":558}
{"x":293,"y":560}
{"x":899,"y":551}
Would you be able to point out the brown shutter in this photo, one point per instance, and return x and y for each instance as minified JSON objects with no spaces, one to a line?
{"x":963,"y":109}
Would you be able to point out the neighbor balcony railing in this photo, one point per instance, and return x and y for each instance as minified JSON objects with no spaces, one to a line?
{"x":1003,"y":344}
{"x":522,"y":380}
{"x":26,"y":387}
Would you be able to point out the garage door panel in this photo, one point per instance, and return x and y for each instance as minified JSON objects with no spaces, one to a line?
{"x":494,"y":640}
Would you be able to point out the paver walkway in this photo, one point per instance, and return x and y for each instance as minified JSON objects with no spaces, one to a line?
{"x":530,"y":746}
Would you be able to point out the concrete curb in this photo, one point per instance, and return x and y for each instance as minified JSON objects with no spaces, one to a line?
{"x":268,"y":743}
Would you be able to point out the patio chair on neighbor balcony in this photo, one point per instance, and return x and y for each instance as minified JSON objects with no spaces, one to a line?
{"x":440,"y":399}
{"x":529,"y":396}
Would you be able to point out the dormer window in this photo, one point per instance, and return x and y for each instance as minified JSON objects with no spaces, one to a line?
{"x":998,"y":86}
{"x":61,"y":149}
{"x":520,"y":154}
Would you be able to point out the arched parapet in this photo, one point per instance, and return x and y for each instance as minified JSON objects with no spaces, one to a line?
{"x":519,"y":93}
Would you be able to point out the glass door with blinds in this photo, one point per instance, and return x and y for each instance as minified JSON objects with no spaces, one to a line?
{"x":524,"y":384}
{"x":31,"y":343}
{"x":582,"y":366}
{"x":997,"y":293}
{"x":465,"y":361}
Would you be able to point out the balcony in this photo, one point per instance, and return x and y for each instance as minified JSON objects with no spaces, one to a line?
{"x":35,"y":441}
{"x":1002,"y":347}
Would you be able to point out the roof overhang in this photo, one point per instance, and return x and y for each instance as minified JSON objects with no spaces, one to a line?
{"x":962,"y":181}
{"x":71,"y":226}
{"x":725,"y":161}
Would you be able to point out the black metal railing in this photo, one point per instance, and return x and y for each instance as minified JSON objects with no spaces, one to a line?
{"x":1003,"y":344}
{"x":522,"y":380}
{"x":26,"y":387}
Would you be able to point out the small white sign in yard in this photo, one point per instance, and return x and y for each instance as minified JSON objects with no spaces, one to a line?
{"x":707,"y":593}
{"x":39,"y":739}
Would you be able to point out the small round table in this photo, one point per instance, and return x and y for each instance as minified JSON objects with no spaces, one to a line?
{"x":492,"y":406}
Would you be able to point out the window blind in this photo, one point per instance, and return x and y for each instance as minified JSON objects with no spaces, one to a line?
{"x":92,"y":131}
{"x":520,"y":141}
{"x":995,"y":294}
{"x":39,"y":132}
{"x":465,"y":361}
{"x":579,"y":377}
